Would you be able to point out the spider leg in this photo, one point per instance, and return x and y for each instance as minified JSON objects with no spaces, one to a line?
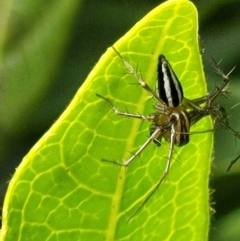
{"x":138,"y":77}
{"x":199,"y":101}
{"x":155,"y":135}
{"x":224,"y":122}
{"x":224,"y":115}
{"x":119,"y":112}
{"x":225,"y":125}
{"x":164,"y":175}
{"x":232,"y":162}
{"x":223,"y":86}
{"x":209,"y":98}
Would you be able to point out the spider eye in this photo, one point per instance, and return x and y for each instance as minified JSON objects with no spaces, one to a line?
{"x":168,"y":88}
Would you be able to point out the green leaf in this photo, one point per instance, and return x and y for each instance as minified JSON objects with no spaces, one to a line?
{"x":63,"y":191}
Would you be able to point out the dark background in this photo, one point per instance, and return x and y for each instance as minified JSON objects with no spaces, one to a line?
{"x":95,"y":26}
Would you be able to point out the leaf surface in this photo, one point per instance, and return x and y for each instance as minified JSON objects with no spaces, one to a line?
{"x":63,"y":191}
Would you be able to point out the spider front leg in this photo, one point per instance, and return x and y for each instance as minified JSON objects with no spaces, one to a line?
{"x":138,"y":77}
{"x":155,"y":135}
{"x":119,"y":112}
{"x":165,"y":173}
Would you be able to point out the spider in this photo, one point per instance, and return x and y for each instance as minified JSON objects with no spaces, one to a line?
{"x":174,"y":114}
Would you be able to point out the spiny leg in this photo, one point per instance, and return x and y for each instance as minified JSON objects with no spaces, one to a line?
{"x":195,"y":116}
{"x":208,"y":109}
{"x":230,"y":129}
{"x":233,"y":162}
{"x":226,"y":125}
{"x":221,"y":89}
{"x":209,"y":98}
{"x":224,"y":116}
{"x":155,"y":135}
{"x":119,"y":112}
{"x":138,"y":77}
{"x":212,"y":110}
{"x":165,"y":173}
{"x":199,"y":112}
{"x":223,"y":86}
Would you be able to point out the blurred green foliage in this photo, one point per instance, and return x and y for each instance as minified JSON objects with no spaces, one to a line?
{"x":39,"y":76}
